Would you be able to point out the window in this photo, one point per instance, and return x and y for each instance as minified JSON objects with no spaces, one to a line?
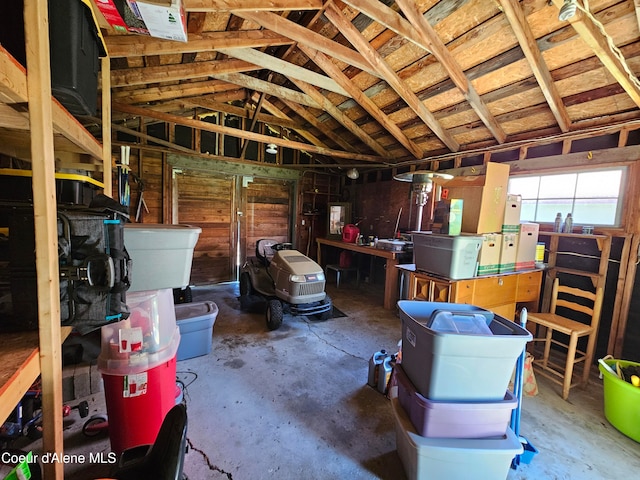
{"x":592,"y":197}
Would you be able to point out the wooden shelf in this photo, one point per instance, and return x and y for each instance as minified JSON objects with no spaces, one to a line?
{"x":19,"y":366}
{"x":35,"y":126}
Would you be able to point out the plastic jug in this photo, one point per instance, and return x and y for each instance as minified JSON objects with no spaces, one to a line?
{"x":374,"y":367}
{"x":384,"y":373}
{"x":350,"y":233}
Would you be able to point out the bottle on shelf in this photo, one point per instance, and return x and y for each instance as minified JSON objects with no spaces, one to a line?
{"x":568,"y":224}
{"x":558,"y":225}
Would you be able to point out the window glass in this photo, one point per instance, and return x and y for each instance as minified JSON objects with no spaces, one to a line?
{"x":592,"y":197}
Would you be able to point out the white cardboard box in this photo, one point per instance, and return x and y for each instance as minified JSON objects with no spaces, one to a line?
{"x":489,"y":257}
{"x":527,"y":241}
{"x":512,"y":209}
{"x":508,"y":252}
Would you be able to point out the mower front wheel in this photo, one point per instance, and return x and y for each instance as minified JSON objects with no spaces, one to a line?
{"x":275,"y":313}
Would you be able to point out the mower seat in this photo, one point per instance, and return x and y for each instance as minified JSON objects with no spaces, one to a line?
{"x":264,"y":252}
{"x":165,"y":458}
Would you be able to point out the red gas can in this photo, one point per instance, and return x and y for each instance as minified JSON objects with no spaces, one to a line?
{"x":350,"y":233}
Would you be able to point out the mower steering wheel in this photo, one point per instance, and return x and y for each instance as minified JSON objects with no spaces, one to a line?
{"x":281,"y":246}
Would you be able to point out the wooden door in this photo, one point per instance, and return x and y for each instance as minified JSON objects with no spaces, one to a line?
{"x":207,"y":201}
{"x":266,"y":207}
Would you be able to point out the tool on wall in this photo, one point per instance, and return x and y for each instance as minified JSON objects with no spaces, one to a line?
{"x":124,"y":189}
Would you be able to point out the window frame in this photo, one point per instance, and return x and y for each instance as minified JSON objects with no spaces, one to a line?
{"x":618,"y":221}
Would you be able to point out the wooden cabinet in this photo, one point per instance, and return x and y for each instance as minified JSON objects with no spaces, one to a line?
{"x":501,"y":293}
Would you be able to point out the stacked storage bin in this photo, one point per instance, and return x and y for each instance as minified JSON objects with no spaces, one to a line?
{"x":452,"y":406}
{"x":138,"y":355}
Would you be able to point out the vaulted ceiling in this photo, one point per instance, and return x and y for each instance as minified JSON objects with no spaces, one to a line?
{"x":388,"y":83}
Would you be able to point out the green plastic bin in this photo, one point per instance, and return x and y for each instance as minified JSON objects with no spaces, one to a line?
{"x":621,"y":400}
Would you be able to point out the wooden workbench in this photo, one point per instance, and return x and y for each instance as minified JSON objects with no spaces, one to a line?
{"x":391,"y":273}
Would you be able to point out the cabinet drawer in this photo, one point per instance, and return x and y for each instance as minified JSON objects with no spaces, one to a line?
{"x":495,"y":291}
{"x":463,"y":291}
{"x":528,"y":286}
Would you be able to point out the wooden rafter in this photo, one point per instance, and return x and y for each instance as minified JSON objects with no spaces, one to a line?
{"x":122,"y":46}
{"x":335,"y":112}
{"x":269,"y":88}
{"x":529,"y":46}
{"x":180,"y":71}
{"x":228,"y":5}
{"x":389,"y":75}
{"x":281,"y":117}
{"x":235,"y":132}
{"x":599,"y":43}
{"x":430,"y":40}
{"x":285,"y":68}
{"x":297,"y":33}
{"x":169,"y":92}
{"x":309,"y":117}
{"x":365,"y":102}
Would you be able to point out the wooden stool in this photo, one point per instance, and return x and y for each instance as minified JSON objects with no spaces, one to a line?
{"x":339,"y":270}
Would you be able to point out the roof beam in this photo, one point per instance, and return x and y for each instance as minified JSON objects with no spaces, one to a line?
{"x":235,"y":132}
{"x":529,"y":46}
{"x":430,"y":40}
{"x":168,"y":92}
{"x":172,"y":73}
{"x":300,"y":34}
{"x":313,"y":121}
{"x":120,"y":46}
{"x":358,"y":95}
{"x":337,"y":114}
{"x":269,"y":88}
{"x":599,"y":43}
{"x":228,"y":5}
{"x":285,"y":68}
{"x":389,"y":75}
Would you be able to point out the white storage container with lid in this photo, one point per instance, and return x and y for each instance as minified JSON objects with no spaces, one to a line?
{"x":148,"y":338}
{"x":450,"y":256}
{"x":161,"y":255}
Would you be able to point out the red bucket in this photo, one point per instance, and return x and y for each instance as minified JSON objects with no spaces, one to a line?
{"x":350,"y":233}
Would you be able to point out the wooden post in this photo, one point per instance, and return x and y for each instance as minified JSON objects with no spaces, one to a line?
{"x":36,"y":19}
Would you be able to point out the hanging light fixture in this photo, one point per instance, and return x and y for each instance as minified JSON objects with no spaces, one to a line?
{"x":353,"y":173}
{"x":272,"y":148}
{"x":568,"y":10}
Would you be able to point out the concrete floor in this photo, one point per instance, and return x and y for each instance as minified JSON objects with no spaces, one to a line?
{"x":294,"y":403}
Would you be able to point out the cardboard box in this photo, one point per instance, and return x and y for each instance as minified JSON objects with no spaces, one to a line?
{"x":508,"y":252}
{"x":484,"y":198}
{"x":157,"y":18}
{"x":527,"y":242}
{"x":447,"y":217}
{"x":512,"y":209}
{"x":489,"y":257}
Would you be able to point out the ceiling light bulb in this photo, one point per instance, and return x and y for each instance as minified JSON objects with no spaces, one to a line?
{"x":568,"y":10}
{"x":272,"y":148}
{"x":353,"y":173}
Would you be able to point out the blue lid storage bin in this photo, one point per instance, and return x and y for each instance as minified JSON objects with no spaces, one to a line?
{"x":454,"y":366}
{"x":195,"y":321}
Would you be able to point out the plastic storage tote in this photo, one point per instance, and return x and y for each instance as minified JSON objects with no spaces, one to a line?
{"x":458,"y":367}
{"x":621,"y":400}
{"x":432,"y":418}
{"x":453,"y":257}
{"x":161,"y":254}
{"x":452,"y":458}
{"x":195,"y":321}
{"x":138,"y":365}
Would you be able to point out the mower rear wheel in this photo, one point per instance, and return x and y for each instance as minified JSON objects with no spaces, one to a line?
{"x":245,"y":284}
{"x":274,"y":314}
